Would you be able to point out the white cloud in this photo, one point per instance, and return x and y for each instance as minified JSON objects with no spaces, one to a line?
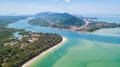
{"x":67,"y":0}
{"x":63,"y":0}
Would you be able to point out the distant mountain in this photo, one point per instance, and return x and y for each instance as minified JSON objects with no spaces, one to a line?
{"x":56,"y":20}
{"x":5,"y":20}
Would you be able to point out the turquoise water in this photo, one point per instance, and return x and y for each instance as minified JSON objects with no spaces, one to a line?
{"x":80,"y":50}
{"x":108,"y":32}
{"x":109,"y":19}
{"x":17,"y":35}
{"x":106,"y":18}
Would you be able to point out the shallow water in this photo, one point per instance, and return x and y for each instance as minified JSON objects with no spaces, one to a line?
{"x":108,"y":32}
{"x":80,"y":50}
{"x":107,"y":18}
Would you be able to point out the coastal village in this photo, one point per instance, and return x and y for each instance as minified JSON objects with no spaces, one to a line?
{"x":91,"y":26}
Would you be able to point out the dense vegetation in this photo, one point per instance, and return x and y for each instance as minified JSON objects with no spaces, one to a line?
{"x":70,"y":22}
{"x":15,"y":56}
{"x":59,"y":20}
{"x":14,"y":52}
{"x":6,"y":34}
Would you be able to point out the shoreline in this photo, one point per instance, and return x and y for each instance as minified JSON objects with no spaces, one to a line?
{"x":28,"y":63}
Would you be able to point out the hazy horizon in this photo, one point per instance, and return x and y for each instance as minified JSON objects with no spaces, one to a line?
{"x":30,"y":7}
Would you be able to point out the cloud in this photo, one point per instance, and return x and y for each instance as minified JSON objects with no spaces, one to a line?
{"x":67,"y":0}
{"x":63,"y":0}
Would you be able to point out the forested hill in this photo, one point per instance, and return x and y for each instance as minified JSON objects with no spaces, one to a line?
{"x":69,"y":22}
{"x":61,"y":20}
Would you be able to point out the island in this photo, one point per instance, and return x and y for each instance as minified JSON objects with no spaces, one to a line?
{"x":69,"y":22}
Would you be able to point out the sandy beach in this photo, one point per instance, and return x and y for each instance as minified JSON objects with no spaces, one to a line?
{"x":27,"y":64}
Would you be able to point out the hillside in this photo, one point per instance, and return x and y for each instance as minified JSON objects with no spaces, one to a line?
{"x":69,"y":22}
{"x":60,"y":20}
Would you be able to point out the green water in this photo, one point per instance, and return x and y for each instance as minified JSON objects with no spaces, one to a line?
{"x":92,"y":54}
{"x":83,"y":53}
{"x":80,"y":50}
{"x":108,"y":32}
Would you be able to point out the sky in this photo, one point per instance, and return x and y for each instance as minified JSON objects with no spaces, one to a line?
{"x":30,"y":7}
